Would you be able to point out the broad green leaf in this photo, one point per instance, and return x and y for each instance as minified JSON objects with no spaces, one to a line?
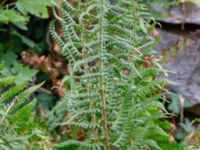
{"x":8,"y":57}
{"x":26,"y":41}
{"x":10,"y":16}
{"x":21,"y":25}
{"x":24,"y":73}
{"x":3,"y":17}
{"x":174,"y":106}
{"x":187,"y":126}
{"x":34,"y":7}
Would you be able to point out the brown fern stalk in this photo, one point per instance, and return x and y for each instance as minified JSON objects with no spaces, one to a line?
{"x":102,"y":84}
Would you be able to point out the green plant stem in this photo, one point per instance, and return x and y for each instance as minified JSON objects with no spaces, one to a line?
{"x":8,"y":110}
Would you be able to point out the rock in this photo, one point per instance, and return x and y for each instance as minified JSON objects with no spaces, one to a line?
{"x":186,"y":67}
{"x":167,"y":39}
{"x":177,"y":15}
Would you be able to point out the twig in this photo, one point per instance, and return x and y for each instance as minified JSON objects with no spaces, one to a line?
{"x":183,"y":7}
{"x":182,"y":108}
{"x":44,"y":90}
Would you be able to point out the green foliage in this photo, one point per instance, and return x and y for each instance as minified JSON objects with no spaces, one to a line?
{"x":175,"y":105}
{"x":23,"y":73}
{"x":18,"y":128}
{"x":17,"y":11}
{"x":114,"y":96}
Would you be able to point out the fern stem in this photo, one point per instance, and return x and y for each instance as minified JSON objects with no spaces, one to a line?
{"x":9,"y":109}
{"x":102,"y":82}
{"x":104,"y":114}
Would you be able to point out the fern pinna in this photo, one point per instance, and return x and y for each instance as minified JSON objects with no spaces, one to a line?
{"x":112,"y":95}
{"x":18,"y":128}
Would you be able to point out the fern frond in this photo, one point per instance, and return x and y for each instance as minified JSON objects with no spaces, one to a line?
{"x":67,"y":6}
{"x":55,"y":35}
{"x":7,"y":80}
{"x":79,"y":144}
{"x":112,"y":96}
{"x":82,"y":125}
{"x":13,"y":91}
{"x":22,"y":97}
{"x":17,"y":116}
{"x":23,"y":114}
